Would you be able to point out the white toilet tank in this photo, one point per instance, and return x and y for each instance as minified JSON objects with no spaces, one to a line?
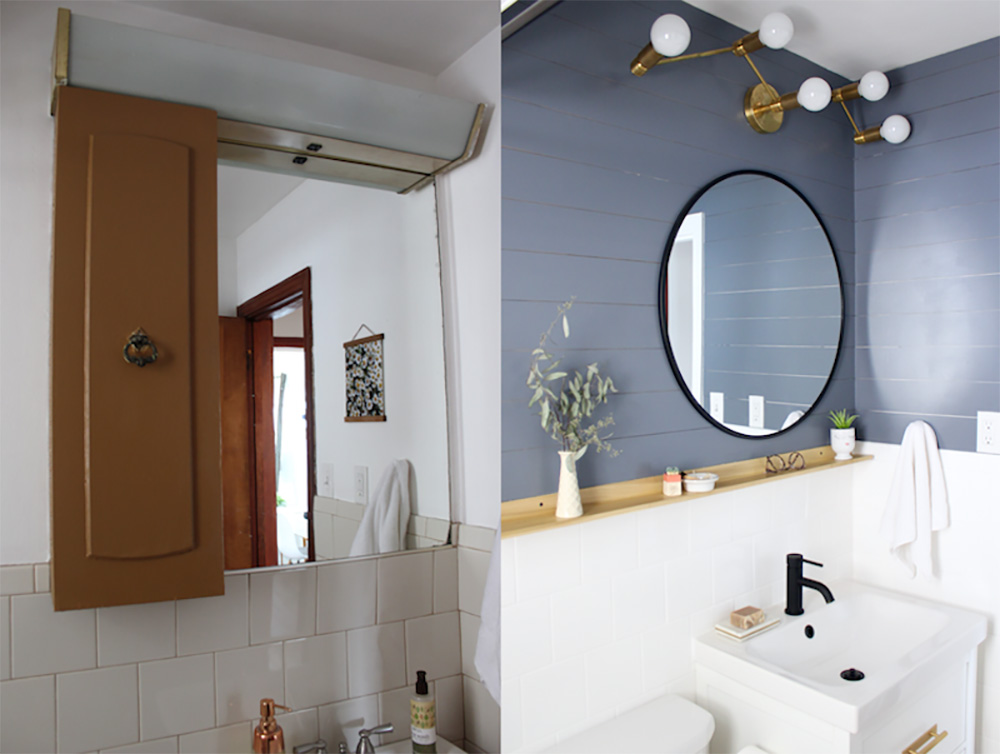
{"x":667,"y":725}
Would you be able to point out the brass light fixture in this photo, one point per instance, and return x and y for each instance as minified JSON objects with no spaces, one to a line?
{"x":763,"y":107}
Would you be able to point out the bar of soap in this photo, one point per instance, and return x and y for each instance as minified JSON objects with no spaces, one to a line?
{"x":746,"y":617}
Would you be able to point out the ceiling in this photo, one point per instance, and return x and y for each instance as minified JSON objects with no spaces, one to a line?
{"x":419,"y":35}
{"x":246,"y":195}
{"x":852,"y":37}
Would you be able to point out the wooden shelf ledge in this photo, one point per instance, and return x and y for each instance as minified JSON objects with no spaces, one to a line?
{"x":532,"y":514}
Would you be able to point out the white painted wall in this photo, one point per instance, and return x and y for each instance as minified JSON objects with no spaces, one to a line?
{"x":374,"y":260}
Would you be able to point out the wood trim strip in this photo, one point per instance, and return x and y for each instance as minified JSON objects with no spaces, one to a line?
{"x":289,"y":342}
{"x":369,"y":339}
{"x":531,"y":514}
{"x":364,"y":418}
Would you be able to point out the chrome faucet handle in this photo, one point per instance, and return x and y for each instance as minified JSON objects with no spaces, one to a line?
{"x":318,"y":746}
{"x":364,"y":742}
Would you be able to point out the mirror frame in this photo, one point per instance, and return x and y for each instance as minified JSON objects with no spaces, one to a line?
{"x":662,"y":309}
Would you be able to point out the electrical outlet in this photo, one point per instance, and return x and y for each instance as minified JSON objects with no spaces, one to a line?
{"x":988,"y":432}
{"x":361,"y":484}
{"x":717,"y":406}
{"x":326,"y":479}
{"x":757,"y":411}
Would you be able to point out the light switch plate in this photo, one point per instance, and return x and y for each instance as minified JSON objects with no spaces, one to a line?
{"x":716,"y":406}
{"x":326,"y":479}
{"x":988,"y":432}
{"x":361,"y":484}
{"x":757,"y":411}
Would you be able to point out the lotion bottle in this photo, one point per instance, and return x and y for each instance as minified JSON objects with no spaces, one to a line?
{"x":423,"y":718}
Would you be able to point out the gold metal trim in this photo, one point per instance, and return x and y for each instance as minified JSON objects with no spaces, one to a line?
{"x":60,"y":56}
{"x":759,"y":111}
{"x":470,"y":147}
{"x":745,"y":45}
{"x":846,"y":92}
{"x":931,"y":736}
{"x":868,"y":135}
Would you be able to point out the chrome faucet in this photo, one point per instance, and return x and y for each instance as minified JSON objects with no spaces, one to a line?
{"x":316,"y":747}
{"x":364,"y":744}
{"x":796,"y":581}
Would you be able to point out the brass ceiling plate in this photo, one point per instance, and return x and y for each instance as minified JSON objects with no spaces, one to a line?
{"x":760,"y":96}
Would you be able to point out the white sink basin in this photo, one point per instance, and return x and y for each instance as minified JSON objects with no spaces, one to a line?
{"x":891,"y":638}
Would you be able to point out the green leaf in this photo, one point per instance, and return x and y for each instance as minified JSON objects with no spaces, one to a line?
{"x":554,"y":376}
{"x":565,"y":327}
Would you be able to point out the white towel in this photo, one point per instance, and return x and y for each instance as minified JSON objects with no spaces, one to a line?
{"x":383,"y":525}
{"x":487,"y":656}
{"x":918,"y":500}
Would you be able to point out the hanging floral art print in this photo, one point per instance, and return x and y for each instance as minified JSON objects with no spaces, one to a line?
{"x":365,"y":379}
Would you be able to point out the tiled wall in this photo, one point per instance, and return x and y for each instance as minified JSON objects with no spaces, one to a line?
{"x":600,"y":616}
{"x":337,"y":524}
{"x":337,"y":642}
{"x":596,"y":166}
{"x":928,"y":263}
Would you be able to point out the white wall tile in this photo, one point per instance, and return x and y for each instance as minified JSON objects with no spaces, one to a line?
{"x":433,"y":644}
{"x":345,"y":595}
{"x":546,"y":562}
{"x":664,"y":532}
{"x":472,"y":568}
{"x":44,"y":641}
{"x":96,"y":709}
{"x":28,"y":715}
{"x":450,"y":708}
{"x":299,"y":728}
{"x":17,"y":579}
{"x":344,"y":532}
{"x":232,"y":739}
{"x":42,"y":577}
{"x":476,"y":537}
{"x":176,"y":696}
{"x":245,"y":676}
{"x":210,"y":624}
{"x":405,"y":587}
{"x":4,"y":638}
{"x":666,"y":654}
{"x":527,"y":637}
{"x":437,"y":530}
{"x":732,"y":569}
{"x":511,"y":723}
{"x":638,"y":600}
{"x":159,"y":746}
{"x":689,"y":584}
{"x":711,"y":521}
{"x":446,"y":580}
{"x":342,"y":721}
{"x":581,"y":619}
{"x":394,"y":707}
{"x":553,"y":698}
{"x":752,"y":511}
{"x":614,"y":677}
{"x":378,"y":661}
{"x":282,"y":605}
{"x":609,"y":546}
{"x":482,"y":721}
{"x":469,"y":628}
{"x":132,"y":633}
{"x":508,"y":572}
{"x":316,"y":670}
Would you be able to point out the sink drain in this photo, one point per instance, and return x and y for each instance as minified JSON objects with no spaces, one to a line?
{"x":852,"y":674}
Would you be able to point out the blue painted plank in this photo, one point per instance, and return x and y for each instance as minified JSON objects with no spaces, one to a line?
{"x":784,"y":274}
{"x":532,"y":276}
{"x":933,"y":226}
{"x":947,"y":259}
{"x":989,"y":48}
{"x":950,"y":156}
{"x":952,"y":433}
{"x":818,"y":331}
{"x":946,"y":121}
{"x":980,"y":293}
{"x":923,"y":194}
{"x":591,"y":325}
{"x":915,"y":397}
{"x":825,"y":300}
{"x":940,"y":364}
{"x":930,"y":329}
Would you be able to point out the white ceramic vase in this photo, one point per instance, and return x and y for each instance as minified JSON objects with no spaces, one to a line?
{"x":568,"y":503}
{"x":842,"y":441}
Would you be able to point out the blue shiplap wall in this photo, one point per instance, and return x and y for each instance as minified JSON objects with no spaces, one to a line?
{"x":597,"y":164}
{"x":928,"y":252}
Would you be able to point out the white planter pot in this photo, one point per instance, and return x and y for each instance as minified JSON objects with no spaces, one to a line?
{"x":568,"y":503}
{"x":842,"y":441}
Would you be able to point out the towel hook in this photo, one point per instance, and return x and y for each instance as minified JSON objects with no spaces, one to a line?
{"x":139,"y":349}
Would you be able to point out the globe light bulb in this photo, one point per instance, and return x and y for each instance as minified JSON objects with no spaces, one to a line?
{"x":814,"y":94}
{"x":873,"y":86}
{"x":776,"y":30}
{"x":670,"y":35}
{"x":895,"y":129}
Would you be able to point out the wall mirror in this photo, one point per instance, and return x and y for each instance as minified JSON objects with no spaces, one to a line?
{"x":751,"y":305}
{"x":371,"y":258}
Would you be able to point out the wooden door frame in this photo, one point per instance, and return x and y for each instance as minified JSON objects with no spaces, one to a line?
{"x":284,"y":295}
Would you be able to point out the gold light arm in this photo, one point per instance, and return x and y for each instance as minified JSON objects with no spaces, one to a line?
{"x":848,"y":113}
{"x":649,"y":57}
{"x":846,"y":92}
{"x":747,"y":58}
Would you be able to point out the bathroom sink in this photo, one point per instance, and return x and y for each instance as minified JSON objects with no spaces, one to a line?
{"x":894,"y":640}
{"x":406,"y":747}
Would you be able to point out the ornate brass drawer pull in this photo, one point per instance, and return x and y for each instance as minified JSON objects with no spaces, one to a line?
{"x":139,"y":349}
{"x":931,"y":739}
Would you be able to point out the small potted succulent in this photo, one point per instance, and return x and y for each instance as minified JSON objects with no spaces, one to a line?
{"x":842,"y":438}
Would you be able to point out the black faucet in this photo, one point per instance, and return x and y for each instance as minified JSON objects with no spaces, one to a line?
{"x":795,"y":582}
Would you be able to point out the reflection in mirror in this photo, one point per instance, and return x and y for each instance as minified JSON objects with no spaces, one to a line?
{"x":751,"y":306}
{"x":304,"y":263}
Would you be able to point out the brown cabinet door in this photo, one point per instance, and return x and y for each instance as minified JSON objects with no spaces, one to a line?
{"x":136,"y":491}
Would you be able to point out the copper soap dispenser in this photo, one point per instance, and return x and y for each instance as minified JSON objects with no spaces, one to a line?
{"x":268,"y":736}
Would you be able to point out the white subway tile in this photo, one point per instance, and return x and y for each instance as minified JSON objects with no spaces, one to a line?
{"x":394,"y":707}
{"x":703,"y":621}
{"x":42,"y":577}
{"x":437,"y":530}
{"x":614,"y":676}
{"x":433,"y":644}
{"x":316,"y":670}
{"x":791,"y":499}
{"x":446,"y":580}
{"x":553,"y":698}
{"x":17,"y":579}
{"x":44,"y":641}
{"x":510,"y":719}
{"x":345,"y":595}
{"x":344,"y":532}
{"x":476,"y":537}
{"x":711,"y":521}
{"x":159,"y":746}
{"x":28,"y":710}
{"x":449,"y":704}
{"x":508,"y":572}
{"x":132,"y":633}
{"x":472,"y":568}
{"x":732,"y":569}
{"x":482,"y":717}
{"x":638,"y":600}
{"x":546,"y":562}
{"x":176,"y":696}
{"x":689,"y":584}
{"x":581,"y":619}
{"x":97,"y":709}
{"x":378,"y":659}
{"x":300,"y":728}
{"x":527,"y":637}
{"x":245,"y":676}
{"x":769,"y":550}
{"x":210,"y":624}
{"x":4,"y":638}
{"x":323,"y":534}
{"x":666,"y":654}
{"x":405,"y":587}
{"x":752,"y":511}
{"x":664,"y":533}
{"x":232,"y":739}
{"x":282,"y":605}
{"x":342,"y":721}
{"x":609,"y":546}
{"x":469,"y":628}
